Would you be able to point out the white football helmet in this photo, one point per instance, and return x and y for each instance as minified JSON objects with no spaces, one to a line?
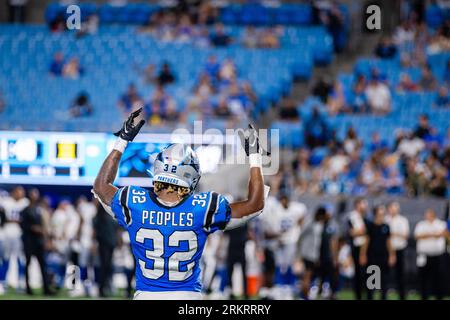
{"x":177,"y":164}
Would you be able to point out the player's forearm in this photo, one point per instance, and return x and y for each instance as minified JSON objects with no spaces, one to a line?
{"x":256,"y":189}
{"x":255,"y":198}
{"x":103,"y":183}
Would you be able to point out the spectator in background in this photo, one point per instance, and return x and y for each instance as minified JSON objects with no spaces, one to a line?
{"x":212,"y":68}
{"x":316,"y":130}
{"x":105,"y":229}
{"x":185,"y":29}
{"x":34,"y":238}
{"x":442,"y":99}
{"x":358,"y":233}
{"x":406,"y":84}
{"x":328,"y":261}
{"x":376,"y":143}
{"x":166,"y":75}
{"x":427,"y":80}
{"x":430,"y":235}
{"x":72,"y":69}
{"x":57,"y":65}
{"x":81,"y":107}
{"x":288,"y":110}
{"x":236,"y":255}
{"x":219,"y":38}
{"x":157,"y":108}
{"x":423,"y":128}
{"x":309,"y":247}
{"x":378,"y":96}
{"x":269,"y":39}
{"x":227,"y":72}
{"x":333,"y":19}
{"x":302,"y":170}
{"x":17,"y":11}
{"x":251,"y":38}
{"x":171,"y":114}
{"x":410,"y":145}
{"x":336,"y":99}
{"x":322,"y":89}
{"x":237,"y":101}
{"x":149,"y":73}
{"x":359,"y":101}
{"x":222,"y":111}
{"x":438,"y":183}
{"x":89,"y":27}
{"x":386,"y":49}
{"x":404,"y":35}
{"x":351,"y":143}
{"x":377,"y":249}
{"x":130,"y":100}
{"x":399,"y":227}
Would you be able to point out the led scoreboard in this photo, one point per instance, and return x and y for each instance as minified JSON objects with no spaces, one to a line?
{"x":51,"y":158}
{"x":61,"y":158}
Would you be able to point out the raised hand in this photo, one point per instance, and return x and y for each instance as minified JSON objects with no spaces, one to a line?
{"x":129,"y":130}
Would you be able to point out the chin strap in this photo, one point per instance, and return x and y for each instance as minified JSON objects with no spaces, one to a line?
{"x":237,"y":222}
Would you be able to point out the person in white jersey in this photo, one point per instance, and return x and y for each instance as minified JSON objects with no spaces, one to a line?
{"x":357,"y":233}
{"x":430,"y":235}
{"x":12,"y":234}
{"x":399,"y":229}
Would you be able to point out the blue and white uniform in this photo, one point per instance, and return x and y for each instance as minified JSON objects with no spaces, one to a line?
{"x":168,"y":241}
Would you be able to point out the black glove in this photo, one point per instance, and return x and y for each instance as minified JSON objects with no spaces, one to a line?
{"x":129,"y":130}
{"x":250,"y":141}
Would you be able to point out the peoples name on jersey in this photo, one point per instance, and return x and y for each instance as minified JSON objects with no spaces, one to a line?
{"x":167,"y":218}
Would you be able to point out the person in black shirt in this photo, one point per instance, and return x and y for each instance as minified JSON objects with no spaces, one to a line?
{"x":327,"y":269}
{"x":423,"y":128}
{"x":34,"y":237}
{"x":288,"y":111}
{"x":386,"y":49}
{"x":219,"y":38}
{"x":236,"y":254}
{"x":105,"y":229}
{"x":378,"y":250}
{"x":166,"y":75}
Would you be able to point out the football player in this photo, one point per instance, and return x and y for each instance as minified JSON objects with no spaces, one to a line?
{"x":168,"y":224}
{"x":12,"y":234}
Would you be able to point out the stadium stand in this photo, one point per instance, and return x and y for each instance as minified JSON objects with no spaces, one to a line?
{"x":337,"y":152}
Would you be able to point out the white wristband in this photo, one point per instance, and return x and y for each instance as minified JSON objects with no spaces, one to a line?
{"x":255,"y":160}
{"x":120,"y":145}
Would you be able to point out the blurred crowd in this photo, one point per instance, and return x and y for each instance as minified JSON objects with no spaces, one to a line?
{"x":372,"y":94}
{"x":58,"y":237}
{"x":219,"y":93}
{"x":414,"y":162}
{"x":288,"y":252}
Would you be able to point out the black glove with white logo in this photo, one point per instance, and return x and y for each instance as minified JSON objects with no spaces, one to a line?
{"x":250,"y":141}
{"x":129,"y":130}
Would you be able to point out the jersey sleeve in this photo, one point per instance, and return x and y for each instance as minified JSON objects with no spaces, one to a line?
{"x":218,"y":213}
{"x":120,"y":206}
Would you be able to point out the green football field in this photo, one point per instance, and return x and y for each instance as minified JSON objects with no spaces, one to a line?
{"x":63,"y":295}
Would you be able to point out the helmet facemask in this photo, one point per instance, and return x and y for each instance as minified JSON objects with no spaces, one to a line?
{"x":182,"y":192}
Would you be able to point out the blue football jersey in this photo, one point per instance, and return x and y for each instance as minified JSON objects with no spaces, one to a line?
{"x":167,"y":242}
